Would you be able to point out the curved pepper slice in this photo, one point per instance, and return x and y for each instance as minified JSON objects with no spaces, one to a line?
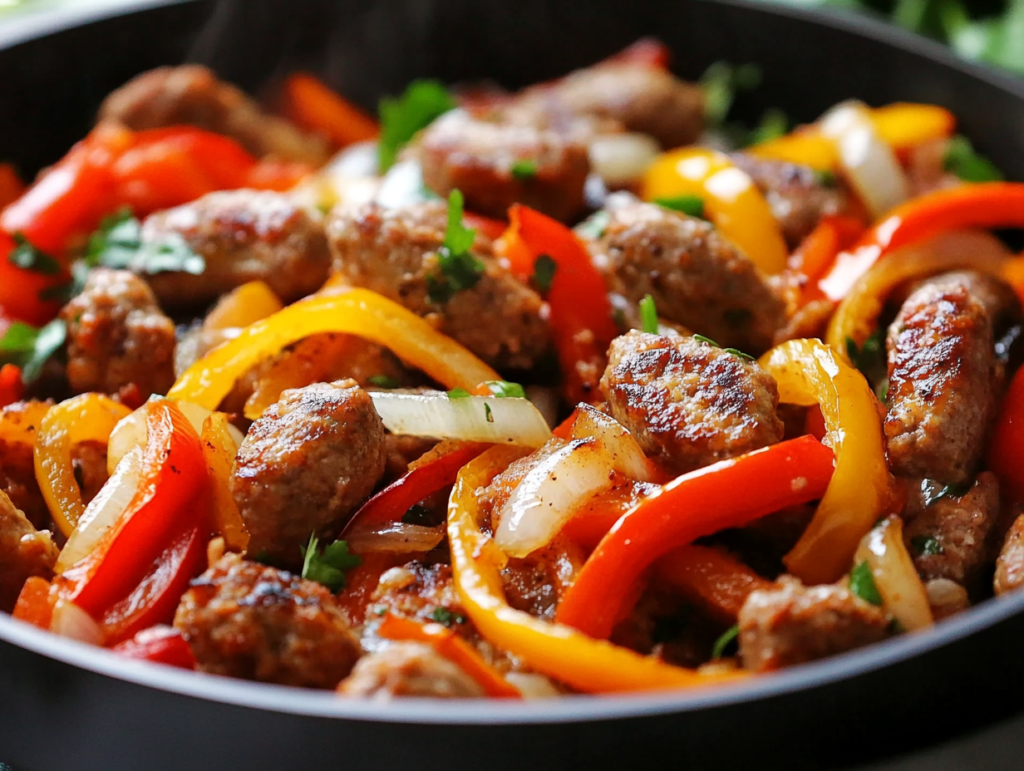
{"x":589,"y":665}
{"x":85,"y":418}
{"x":731,"y":201}
{"x":809,"y":372}
{"x":358,"y":312}
{"x":12,"y":387}
{"x":1006,"y":453}
{"x":732,"y":493}
{"x":819,"y":250}
{"x":315,"y":107}
{"x":712,"y":578}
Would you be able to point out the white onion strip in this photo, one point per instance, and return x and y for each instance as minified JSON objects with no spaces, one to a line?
{"x":396,"y":537}
{"x":72,"y":622}
{"x":627,"y":456}
{"x":621,"y":159}
{"x":896,"y":579}
{"x":490,"y":419}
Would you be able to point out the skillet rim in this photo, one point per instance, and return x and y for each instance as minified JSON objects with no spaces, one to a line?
{"x":571,"y":709}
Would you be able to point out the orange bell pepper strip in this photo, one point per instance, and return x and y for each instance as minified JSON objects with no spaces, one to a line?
{"x":596,"y":517}
{"x":731,"y":201}
{"x":35,"y":602}
{"x":19,"y":422}
{"x":711,"y":578}
{"x":11,"y":186}
{"x":731,"y":493}
{"x":219,"y":451}
{"x":809,"y":372}
{"x":12,"y":388}
{"x":987,"y":205}
{"x":452,"y":647}
{"x":106,"y":561}
{"x":904,"y":125}
{"x":358,"y":312}
{"x":593,"y":666}
{"x":158,"y":645}
{"x":819,"y":250}
{"x":242,"y":306}
{"x":315,"y":107}
{"x":805,"y":147}
{"x":1006,"y":451}
{"x":581,"y":315}
{"x":86,"y":418}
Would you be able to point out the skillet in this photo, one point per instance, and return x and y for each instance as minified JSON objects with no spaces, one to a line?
{"x":63,"y":705}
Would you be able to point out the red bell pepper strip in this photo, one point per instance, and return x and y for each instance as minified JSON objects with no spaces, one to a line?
{"x":985,"y":205}
{"x":22,"y":291}
{"x":581,"y":314}
{"x":172,"y":475}
{"x":11,"y":386}
{"x":491,"y":228}
{"x":819,"y":250}
{"x":711,"y":578}
{"x":728,"y":494}
{"x":448,"y":644}
{"x":35,"y":603}
{"x":160,"y":645}
{"x":1006,"y":453}
{"x":11,"y":185}
{"x":281,"y":176}
{"x":391,"y":503}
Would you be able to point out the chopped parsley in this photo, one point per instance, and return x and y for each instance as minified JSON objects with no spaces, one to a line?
{"x":648,"y":315}
{"x":862,"y":584}
{"x":870,"y":360}
{"x":504,"y":389}
{"x":383,"y":381}
{"x":691,"y":205}
{"x":544,"y":273}
{"x":708,"y":340}
{"x":328,"y":566}
{"x":524,"y":170}
{"x":962,"y":160}
{"x":826,"y":177}
{"x":725,"y":642}
{"x":31,"y":347}
{"x":459,"y":393}
{"x":458,"y":268}
{"x":118,"y":244}
{"x":738,"y":352}
{"x":445,"y":617}
{"x":774,"y":124}
{"x":721,"y":82}
{"x":27,"y":257}
{"x":594,"y":226}
{"x":422,"y":102}
{"x":933,"y":495}
{"x":926,"y":545}
{"x":487,"y":413}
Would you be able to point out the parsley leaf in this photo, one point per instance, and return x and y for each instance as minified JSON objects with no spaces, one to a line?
{"x":738,"y":352}
{"x":964,"y":162}
{"x":401,"y":119}
{"x":721,"y":81}
{"x":826,"y":177}
{"x":594,"y":226}
{"x":383,"y":381}
{"x":862,"y":583}
{"x":870,"y":358}
{"x":729,"y":636}
{"x":487,"y":413}
{"x":444,"y":616}
{"x":30,"y":348}
{"x":458,"y":268}
{"x":934,"y":495}
{"x":524,"y":170}
{"x":926,"y":545}
{"x":708,"y":340}
{"x":544,"y":269}
{"x":459,"y":393}
{"x":691,"y":205}
{"x":648,"y":315}
{"x":774,"y":124}
{"x":506,"y":390}
{"x":328,"y":566}
{"x":26,"y":256}
{"x":118,"y":244}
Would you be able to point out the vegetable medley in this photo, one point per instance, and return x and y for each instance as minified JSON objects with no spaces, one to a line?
{"x":577,"y":389}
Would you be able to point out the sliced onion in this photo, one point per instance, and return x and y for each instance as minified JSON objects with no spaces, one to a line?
{"x":620,"y":159}
{"x":72,"y":622}
{"x":472,"y":418}
{"x":896,"y":579}
{"x":394,"y":537}
{"x":627,"y":457}
{"x":549,"y":495}
{"x":533,"y":685}
{"x":129,"y":433}
{"x":870,"y":164}
{"x":403,"y":186}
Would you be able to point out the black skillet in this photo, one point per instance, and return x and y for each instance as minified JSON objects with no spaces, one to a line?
{"x":66,"y":706}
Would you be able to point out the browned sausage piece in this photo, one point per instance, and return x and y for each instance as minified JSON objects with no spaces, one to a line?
{"x":496,"y":165}
{"x":243,"y":235}
{"x":24,"y":552}
{"x":89,"y":461}
{"x":305,"y":465}
{"x":117,"y":336}
{"x":255,"y":622}
{"x":409,"y":669}
{"x":687,"y":402}
{"x":192,"y":95}
{"x":944,"y":377}
{"x":394,"y":252}
{"x":1010,"y":564}
{"x":796,"y":194}
{"x":793,"y":624}
{"x":695,"y":276}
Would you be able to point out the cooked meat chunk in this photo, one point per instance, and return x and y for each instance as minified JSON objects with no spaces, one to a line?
{"x":192,"y":95}
{"x":696,"y":277}
{"x":946,"y":598}
{"x":243,"y":235}
{"x":409,"y":669}
{"x":535,"y":584}
{"x":117,"y":336}
{"x":1010,"y":564}
{"x":689,"y":403}
{"x":496,"y":165}
{"x":944,"y":376}
{"x":793,"y":624}
{"x":24,"y":552}
{"x":395,"y":252}
{"x":305,"y":465}
{"x":252,"y":621}
{"x":796,"y":194}
{"x":89,"y":461}
{"x":641,"y":98}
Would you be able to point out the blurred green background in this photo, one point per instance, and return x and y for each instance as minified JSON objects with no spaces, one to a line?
{"x":990,"y":31}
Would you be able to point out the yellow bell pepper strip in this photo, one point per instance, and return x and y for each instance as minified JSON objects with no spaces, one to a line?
{"x":219,"y":450}
{"x":809,"y":372}
{"x":19,"y":422}
{"x":805,"y":147}
{"x":857,"y":315}
{"x":242,"y":306}
{"x":86,"y":418}
{"x":358,"y":312}
{"x":731,"y":201}
{"x":594,"y":666}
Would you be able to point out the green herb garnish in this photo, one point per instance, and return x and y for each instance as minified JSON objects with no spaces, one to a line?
{"x":691,"y":205}
{"x":738,"y":352}
{"x":459,"y":393}
{"x":30,"y":347}
{"x":964,"y":162}
{"x":648,"y":315}
{"x":708,"y":340}
{"x":446,"y":617}
{"x":722,"y":644}
{"x":544,"y":273}
{"x":487,"y":413}
{"x":826,"y":177}
{"x":524,"y":170}
{"x":932,"y":496}
{"x":721,"y":82}
{"x":926,"y":545}
{"x":458,"y":268}
{"x":594,"y":226}
{"x":401,"y":119}
{"x":118,"y":244}
{"x":328,"y":566}
{"x":383,"y":381}
{"x":26,"y":256}
{"x":869,"y":358}
{"x":774,"y":124}
{"x":862,"y":584}
{"x":505,"y":390}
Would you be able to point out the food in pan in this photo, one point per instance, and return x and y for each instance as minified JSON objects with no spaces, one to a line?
{"x":581,"y":388}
